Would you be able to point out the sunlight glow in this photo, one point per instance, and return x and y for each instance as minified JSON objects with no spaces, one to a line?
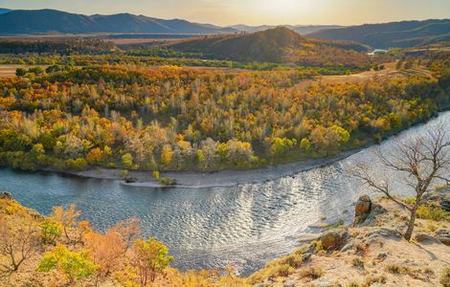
{"x":281,"y":6}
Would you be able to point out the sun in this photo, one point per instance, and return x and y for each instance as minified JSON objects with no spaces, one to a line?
{"x":279,"y":6}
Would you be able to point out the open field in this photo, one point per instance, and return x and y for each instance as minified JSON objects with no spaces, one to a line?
{"x":8,"y":71}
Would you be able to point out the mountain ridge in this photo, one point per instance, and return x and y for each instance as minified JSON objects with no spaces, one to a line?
{"x":55,"y":21}
{"x":402,"y":34}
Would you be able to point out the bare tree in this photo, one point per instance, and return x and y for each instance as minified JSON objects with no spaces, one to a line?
{"x":424,"y":161}
{"x":17,"y":246}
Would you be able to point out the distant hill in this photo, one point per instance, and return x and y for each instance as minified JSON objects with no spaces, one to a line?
{"x":54,"y":21}
{"x":278,"y":45}
{"x":395,"y":34}
{"x":301,"y":29}
{"x":4,"y":10}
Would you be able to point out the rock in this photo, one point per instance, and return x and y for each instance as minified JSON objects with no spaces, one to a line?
{"x":289,"y":283}
{"x":363,"y":208}
{"x":347,"y":247}
{"x":363,"y":205}
{"x":442,"y":199}
{"x":6,"y":195}
{"x":323,"y":282}
{"x":306,"y":257}
{"x":377,"y":235}
{"x":425,"y":238}
{"x":382,"y":256}
{"x":334,"y":240}
{"x":443,"y":235}
{"x":130,"y":179}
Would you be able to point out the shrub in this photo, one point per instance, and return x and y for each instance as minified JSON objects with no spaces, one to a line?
{"x":445,"y":277}
{"x":374,"y":279}
{"x":167,"y":181}
{"x":74,"y":265}
{"x":76,"y":164}
{"x":396,"y":269}
{"x":432,"y":212}
{"x":295,"y":260}
{"x":20,"y":72}
{"x":356,"y":262}
{"x":282,"y":270}
{"x":50,"y":231}
{"x":312,"y":273}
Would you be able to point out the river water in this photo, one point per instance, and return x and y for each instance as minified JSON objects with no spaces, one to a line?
{"x":245,"y":225}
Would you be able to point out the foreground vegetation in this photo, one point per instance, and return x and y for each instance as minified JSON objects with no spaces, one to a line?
{"x":62,"y":250}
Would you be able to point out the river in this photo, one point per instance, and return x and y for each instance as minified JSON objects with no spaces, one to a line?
{"x":244,"y":225}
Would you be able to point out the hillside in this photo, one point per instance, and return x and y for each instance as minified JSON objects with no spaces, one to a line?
{"x":370,"y":251}
{"x":278,"y":45}
{"x":54,"y":21}
{"x":301,"y":29}
{"x":395,"y":34}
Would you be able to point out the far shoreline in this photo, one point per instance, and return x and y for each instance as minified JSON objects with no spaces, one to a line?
{"x":227,"y":177}
{"x":221,"y":178}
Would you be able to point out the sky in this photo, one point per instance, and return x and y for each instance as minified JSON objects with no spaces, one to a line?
{"x":255,"y":12}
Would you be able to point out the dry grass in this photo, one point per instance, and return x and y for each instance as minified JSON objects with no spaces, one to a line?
{"x":8,"y":71}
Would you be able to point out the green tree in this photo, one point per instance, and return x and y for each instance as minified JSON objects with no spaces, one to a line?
{"x":50,"y":231}
{"x":74,"y":265}
{"x":20,"y":72}
{"x":127,"y":161}
{"x":150,"y":257}
{"x":305,"y":144}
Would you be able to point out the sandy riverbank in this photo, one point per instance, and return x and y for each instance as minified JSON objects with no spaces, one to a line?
{"x":189,"y":179}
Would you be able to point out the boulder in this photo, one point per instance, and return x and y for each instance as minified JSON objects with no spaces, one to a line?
{"x":363,"y":208}
{"x":442,"y":199}
{"x":6,"y":195}
{"x":443,"y":235}
{"x":334,"y":240}
{"x":363,"y":205}
{"x":425,"y":238}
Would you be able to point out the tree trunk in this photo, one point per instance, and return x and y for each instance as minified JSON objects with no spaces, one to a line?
{"x":412,"y":220}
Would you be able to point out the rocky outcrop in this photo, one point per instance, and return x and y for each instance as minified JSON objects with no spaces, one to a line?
{"x":441,"y":199}
{"x":6,"y":195}
{"x":443,"y":235}
{"x":363,"y":208}
{"x":425,"y":238}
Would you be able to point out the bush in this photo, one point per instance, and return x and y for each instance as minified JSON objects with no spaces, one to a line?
{"x":432,"y":212}
{"x":50,"y":231}
{"x":445,"y":277}
{"x":76,"y":164}
{"x":20,"y":72}
{"x":312,"y":273}
{"x":167,"y":181}
{"x":396,"y":269}
{"x":74,"y":265}
{"x":358,"y":263}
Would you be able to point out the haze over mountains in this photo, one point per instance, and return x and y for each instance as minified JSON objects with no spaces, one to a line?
{"x":395,"y":34}
{"x":301,"y":29}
